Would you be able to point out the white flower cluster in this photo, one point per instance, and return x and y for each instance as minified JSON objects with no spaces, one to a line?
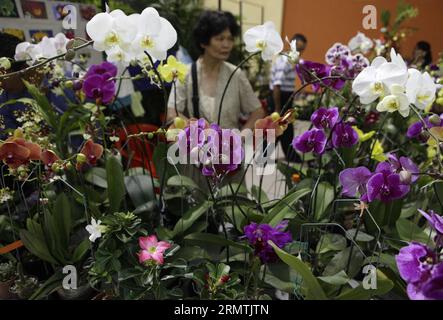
{"x":126,"y":38}
{"x":395,"y":85}
{"x":47,"y":48}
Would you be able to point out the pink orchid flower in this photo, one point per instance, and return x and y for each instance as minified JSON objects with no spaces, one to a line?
{"x":152,"y":249}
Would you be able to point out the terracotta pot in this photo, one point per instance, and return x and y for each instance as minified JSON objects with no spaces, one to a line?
{"x":5,"y":294}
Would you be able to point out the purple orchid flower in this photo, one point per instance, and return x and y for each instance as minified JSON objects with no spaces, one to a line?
{"x":417,"y":128}
{"x":312,"y":140}
{"x":99,"y":87}
{"x":337,"y":53}
{"x":258,"y":236}
{"x":105,"y":68}
{"x":354,"y":180}
{"x":386,"y":186}
{"x":325,"y":118}
{"x":404,"y":166}
{"x":344,"y":135}
{"x":436,"y":222}
{"x":225,"y":152}
{"x":418,"y":266}
{"x":357,"y":63}
{"x":192,"y":137}
{"x":309,"y":71}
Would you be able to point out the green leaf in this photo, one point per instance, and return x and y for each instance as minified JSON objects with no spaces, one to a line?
{"x":97,"y":177}
{"x":310,"y":285}
{"x":139,"y":189}
{"x":81,"y":250}
{"x":50,"y":285}
{"x":340,"y":260}
{"x":338,"y":279}
{"x":37,"y":247}
{"x":62,"y":217}
{"x":116,"y":184}
{"x":279,"y":211}
{"x":207,"y":238}
{"x":409,"y":231}
{"x":190,"y":217}
{"x":259,"y":194}
{"x":361,"y":236}
{"x":331,"y":242}
{"x":324,"y":197}
{"x":384,"y":285}
{"x":182,"y":181}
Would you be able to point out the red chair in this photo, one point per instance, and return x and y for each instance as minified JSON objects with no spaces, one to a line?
{"x":139,"y":151}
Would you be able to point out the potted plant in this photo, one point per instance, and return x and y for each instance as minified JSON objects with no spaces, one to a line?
{"x":7,"y":276}
{"x":25,"y":286}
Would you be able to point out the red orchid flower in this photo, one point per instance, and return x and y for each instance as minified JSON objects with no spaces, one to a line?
{"x":91,"y":152}
{"x":17,"y":151}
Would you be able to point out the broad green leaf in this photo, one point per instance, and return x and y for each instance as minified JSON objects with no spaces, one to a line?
{"x":384,"y":285}
{"x":340,"y":261}
{"x":97,"y":177}
{"x":116,"y":184}
{"x":325,"y":196}
{"x":182,"y":181}
{"x":338,"y":279}
{"x":259,"y":194}
{"x":139,"y":189}
{"x":279,"y":211}
{"x":361,"y":236}
{"x":81,"y":250}
{"x":37,"y":247}
{"x":190,"y":217}
{"x":62,"y":217}
{"x":409,"y":231}
{"x":310,"y":285}
{"x":331,"y":242}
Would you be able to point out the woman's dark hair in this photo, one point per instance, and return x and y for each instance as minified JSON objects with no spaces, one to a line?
{"x":426,"y":47}
{"x":212,"y":23}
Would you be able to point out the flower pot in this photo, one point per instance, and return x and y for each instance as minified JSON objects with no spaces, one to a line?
{"x":5,"y":294}
{"x":83,"y":292}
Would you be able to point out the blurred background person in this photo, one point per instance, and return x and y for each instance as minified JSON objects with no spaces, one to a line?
{"x":282,"y":85}
{"x":199,"y":96}
{"x":422,"y":55}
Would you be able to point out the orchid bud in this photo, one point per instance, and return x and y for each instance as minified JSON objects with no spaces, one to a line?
{"x":435,"y":120}
{"x":440,"y":101}
{"x":69,"y":84}
{"x":405,"y":177}
{"x":68,"y":166}
{"x":179,"y":123}
{"x":81,"y":158}
{"x":5,"y":63}
{"x":150,"y":136}
{"x":275,"y":116}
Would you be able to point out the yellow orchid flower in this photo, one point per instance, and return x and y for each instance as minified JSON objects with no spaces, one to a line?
{"x":378,"y":152}
{"x":173,"y":69}
{"x":362,"y":137}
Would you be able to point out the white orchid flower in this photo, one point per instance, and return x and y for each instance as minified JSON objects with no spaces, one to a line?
{"x":396,"y":101}
{"x":155,"y":35}
{"x":60,"y":42}
{"x":22,"y":51}
{"x":397,"y":59}
{"x":95,"y":230}
{"x":108,"y":30}
{"x":360,"y":43}
{"x":293,"y":54}
{"x":119,"y":56}
{"x":374,"y":81}
{"x":420,"y":89}
{"x":264,"y":39}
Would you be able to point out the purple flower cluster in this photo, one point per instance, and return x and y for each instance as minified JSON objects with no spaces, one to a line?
{"x":340,"y":63}
{"x":391,"y":180}
{"x":419,"y":266}
{"x":416,"y":129}
{"x":96,"y":83}
{"x":258,"y":236}
{"x":218,"y":151}
{"x":343,"y":135}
